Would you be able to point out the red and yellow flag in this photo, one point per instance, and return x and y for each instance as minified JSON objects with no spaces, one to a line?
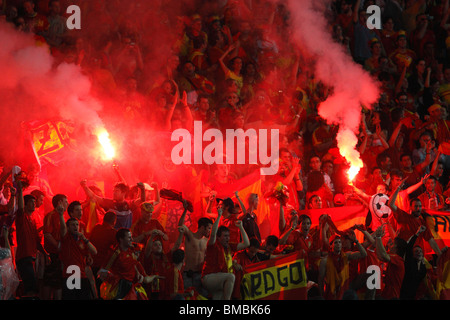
{"x":283,"y":278}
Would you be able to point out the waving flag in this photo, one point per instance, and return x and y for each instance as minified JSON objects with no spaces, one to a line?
{"x":50,"y":138}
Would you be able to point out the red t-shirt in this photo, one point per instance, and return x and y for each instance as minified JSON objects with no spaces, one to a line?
{"x":371,"y":259}
{"x":235,"y":234}
{"x":103,"y":237}
{"x":123,"y":266}
{"x":408,"y":226}
{"x":27,"y":235}
{"x":141,"y":227}
{"x":73,"y":252}
{"x":244,"y":260}
{"x":215,"y":258}
{"x":158,"y":265}
{"x":52,"y":227}
{"x":393,"y":279}
{"x":173,"y":283}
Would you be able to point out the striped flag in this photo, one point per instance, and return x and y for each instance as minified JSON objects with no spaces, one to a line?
{"x":283,"y":278}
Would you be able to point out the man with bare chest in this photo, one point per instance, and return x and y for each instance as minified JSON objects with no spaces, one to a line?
{"x":195,"y":248}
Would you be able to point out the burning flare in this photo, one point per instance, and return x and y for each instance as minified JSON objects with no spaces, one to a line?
{"x":347,"y":141}
{"x":352,"y":172}
{"x":104,"y":140}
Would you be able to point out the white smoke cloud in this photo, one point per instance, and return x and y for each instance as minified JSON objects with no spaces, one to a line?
{"x":352,"y":86}
{"x":28,"y":75}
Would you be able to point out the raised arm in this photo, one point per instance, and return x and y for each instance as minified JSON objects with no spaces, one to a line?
{"x":362,"y":253}
{"x":394,"y":196}
{"x":380,"y":249}
{"x":19,"y":192}
{"x":232,"y":47}
{"x":211,"y":199}
{"x":148,"y":246}
{"x":294,"y":175}
{"x":169,"y":114}
{"x":399,"y":84}
{"x":369,"y":239}
{"x":245,"y":240}
{"x":89,"y":193}
{"x":356,"y":11}
{"x":383,"y":141}
{"x":395,"y":133}
{"x":215,"y":227}
{"x":183,"y":215}
{"x":285,"y":236}
{"x":90,"y":247}
{"x":416,"y":186}
{"x":118,"y":173}
{"x":424,"y":164}
{"x":362,"y":148}
{"x":189,"y":119}
{"x":241,"y":204}
{"x":141,"y":199}
{"x":179,"y":240}
{"x":435,"y":164}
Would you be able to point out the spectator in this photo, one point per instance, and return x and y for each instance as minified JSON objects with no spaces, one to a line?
{"x":407,"y":223}
{"x":103,"y":238}
{"x":122,"y":207}
{"x":290,"y":175}
{"x":229,"y":218}
{"x":265,"y":78}
{"x":174,"y":288}
{"x":333,"y":270}
{"x":422,"y":34}
{"x":57,"y":25}
{"x":416,"y":82}
{"x":425,"y":153}
{"x":74,"y":250}
{"x":193,"y":83}
{"x":317,"y":186}
{"x":28,"y":242}
{"x":217,"y":275}
{"x":145,"y":226}
{"x":395,"y":270}
{"x":402,"y":56}
{"x":241,"y":259}
{"x":248,"y":217}
{"x":415,"y":268}
{"x":124,"y":272}
{"x":35,"y":22}
{"x":388,"y":35}
{"x":52,"y":244}
{"x":430,"y":199}
{"x":362,"y":34}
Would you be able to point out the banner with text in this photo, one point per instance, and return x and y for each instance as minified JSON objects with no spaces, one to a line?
{"x":283,"y":278}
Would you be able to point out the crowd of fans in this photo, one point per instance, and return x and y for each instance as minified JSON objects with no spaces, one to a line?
{"x":231,"y":65}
